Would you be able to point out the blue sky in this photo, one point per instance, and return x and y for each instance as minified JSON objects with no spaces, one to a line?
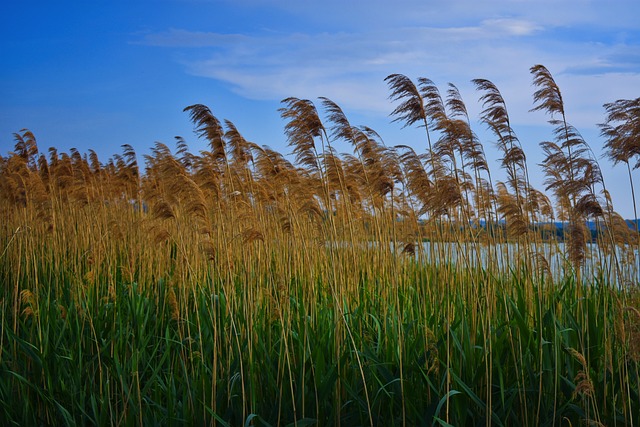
{"x":99,"y":74}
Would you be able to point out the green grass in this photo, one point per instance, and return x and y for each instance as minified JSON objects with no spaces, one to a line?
{"x":428,"y":347}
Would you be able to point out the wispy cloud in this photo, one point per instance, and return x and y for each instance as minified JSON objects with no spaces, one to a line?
{"x":514,"y":27}
{"x":183,"y":38}
{"x":349,"y":66}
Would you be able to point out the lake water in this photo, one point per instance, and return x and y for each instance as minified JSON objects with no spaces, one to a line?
{"x":620,"y":266}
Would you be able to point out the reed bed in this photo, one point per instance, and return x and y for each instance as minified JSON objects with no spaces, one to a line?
{"x":378,"y":287}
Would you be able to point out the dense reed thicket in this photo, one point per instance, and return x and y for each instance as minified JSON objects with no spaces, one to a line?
{"x":386,"y":286}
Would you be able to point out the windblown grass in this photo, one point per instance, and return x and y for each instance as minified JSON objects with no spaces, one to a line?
{"x":236,"y":288}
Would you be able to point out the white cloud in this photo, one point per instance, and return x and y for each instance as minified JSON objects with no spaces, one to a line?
{"x":195,"y":39}
{"x":350,"y":67}
{"x":516,"y":27}
{"x":362,"y":14}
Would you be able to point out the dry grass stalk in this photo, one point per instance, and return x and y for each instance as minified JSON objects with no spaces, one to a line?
{"x":241,"y":213}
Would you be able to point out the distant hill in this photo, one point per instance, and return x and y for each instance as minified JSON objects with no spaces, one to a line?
{"x":632,"y":223}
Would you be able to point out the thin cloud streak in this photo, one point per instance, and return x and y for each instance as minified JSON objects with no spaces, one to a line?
{"x":366,"y":14}
{"x":182,"y":38}
{"x":350,"y":67}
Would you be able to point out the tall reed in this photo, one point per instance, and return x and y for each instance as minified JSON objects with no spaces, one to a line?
{"x":393,"y":285}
